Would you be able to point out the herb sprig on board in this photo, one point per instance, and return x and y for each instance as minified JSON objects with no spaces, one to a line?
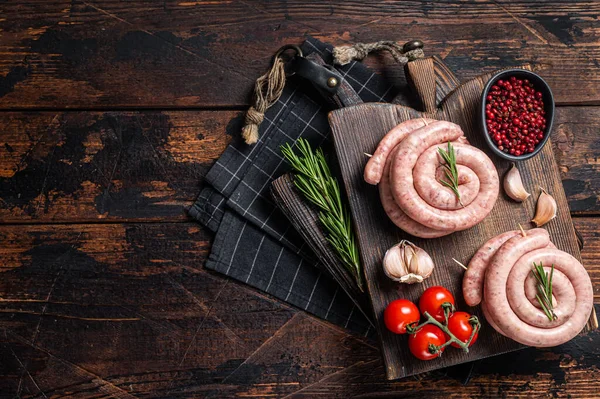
{"x":544,"y":288}
{"x":313,"y":179}
{"x":451,"y":170}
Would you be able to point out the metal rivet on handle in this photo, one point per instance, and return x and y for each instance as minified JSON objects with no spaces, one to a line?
{"x":412,"y":45}
{"x":332,"y":82}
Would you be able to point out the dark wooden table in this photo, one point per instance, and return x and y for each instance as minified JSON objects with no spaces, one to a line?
{"x":111,"y":113}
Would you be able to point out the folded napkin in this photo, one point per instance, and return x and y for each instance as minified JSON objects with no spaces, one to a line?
{"x":254,"y":242}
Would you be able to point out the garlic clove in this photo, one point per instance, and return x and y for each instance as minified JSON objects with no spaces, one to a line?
{"x":545,"y":209}
{"x":393,"y":263}
{"x":407,"y":263}
{"x":513,"y":185}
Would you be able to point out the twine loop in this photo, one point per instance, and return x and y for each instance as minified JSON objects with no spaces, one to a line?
{"x":345,"y":54}
{"x":267,"y":90}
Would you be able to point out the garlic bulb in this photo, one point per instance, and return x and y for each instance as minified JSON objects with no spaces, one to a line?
{"x":407,"y":263}
{"x":545,"y":210}
{"x":513,"y":185}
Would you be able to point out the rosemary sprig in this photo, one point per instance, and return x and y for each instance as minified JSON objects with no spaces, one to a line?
{"x":314,"y":180}
{"x":451,"y":171}
{"x":544,"y":288}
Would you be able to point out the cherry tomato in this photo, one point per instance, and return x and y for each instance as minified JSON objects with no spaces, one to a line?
{"x":432,"y":299}
{"x":400,"y":313}
{"x":459,"y":325}
{"x":419,"y":342}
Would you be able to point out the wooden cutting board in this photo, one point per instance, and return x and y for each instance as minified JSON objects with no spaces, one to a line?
{"x":358,"y":129}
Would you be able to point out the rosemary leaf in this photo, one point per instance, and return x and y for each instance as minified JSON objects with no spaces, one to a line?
{"x":545,"y":308}
{"x":451,"y":170}
{"x":544,"y":289}
{"x":550,"y":282}
{"x":313,"y":179}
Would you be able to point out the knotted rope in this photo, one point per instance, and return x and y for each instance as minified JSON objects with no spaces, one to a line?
{"x":345,"y":54}
{"x":267,"y":90}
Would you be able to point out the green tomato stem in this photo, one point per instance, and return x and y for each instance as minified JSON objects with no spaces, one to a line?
{"x":474,"y":321}
{"x":448,"y":310}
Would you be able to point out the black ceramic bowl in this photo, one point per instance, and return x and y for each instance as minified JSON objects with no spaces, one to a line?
{"x":538,"y":84}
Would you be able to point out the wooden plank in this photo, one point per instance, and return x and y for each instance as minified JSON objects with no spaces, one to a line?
{"x":565,"y":371}
{"x":133,"y":313}
{"x":356,"y":131}
{"x":106,"y":166}
{"x":58,"y":166}
{"x":105,"y":53}
{"x":575,"y":145}
{"x":304,"y":217}
{"x":109,"y":302}
{"x":141,"y":246}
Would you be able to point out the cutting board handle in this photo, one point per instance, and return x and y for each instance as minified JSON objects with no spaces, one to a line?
{"x":420,"y":75}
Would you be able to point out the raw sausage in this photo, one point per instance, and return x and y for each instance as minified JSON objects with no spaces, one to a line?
{"x":506,"y":301}
{"x":473,"y":278}
{"x":374,"y":168}
{"x":430,"y":173}
{"x":397,"y":215}
{"x":521,"y":291}
{"x":422,"y":205}
{"x":417,"y":208}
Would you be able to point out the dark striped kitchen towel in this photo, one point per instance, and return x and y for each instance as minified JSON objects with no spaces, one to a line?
{"x":254,"y":242}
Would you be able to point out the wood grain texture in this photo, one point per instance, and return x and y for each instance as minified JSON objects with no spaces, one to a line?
{"x":357,"y":130}
{"x":92,"y":310}
{"x":135,"y":302}
{"x":143,"y":316}
{"x":421,"y":77}
{"x":65,"y":53}
{"x":107,"y":166}
{"x":118,"y":309}
{"x":576,"y":143}
{"x":114,"y":166}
